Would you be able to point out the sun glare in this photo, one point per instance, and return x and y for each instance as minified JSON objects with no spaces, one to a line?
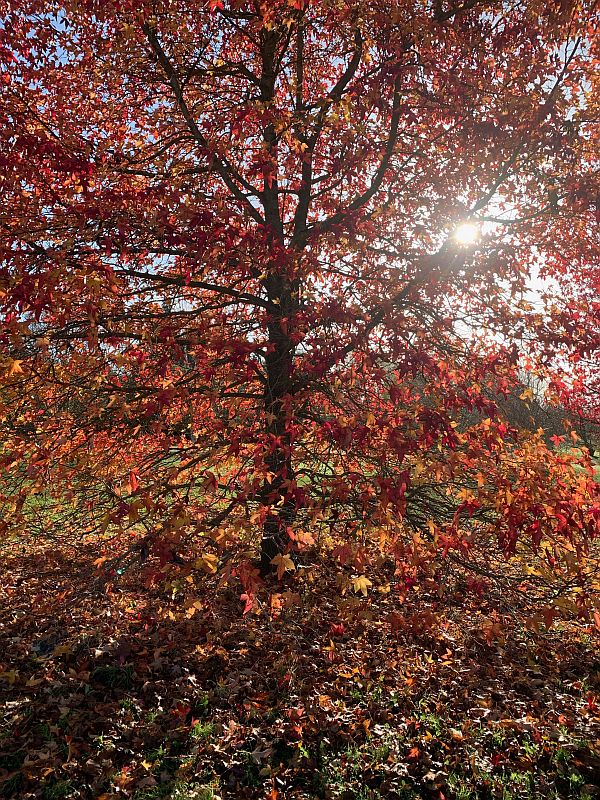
{"x":466,"y":234}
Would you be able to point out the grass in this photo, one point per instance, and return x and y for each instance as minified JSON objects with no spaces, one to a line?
{"x":114,"y":676}
{"x":202,"y":731}
{"x":55,"y":790}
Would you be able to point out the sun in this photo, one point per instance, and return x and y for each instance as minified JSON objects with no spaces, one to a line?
{"x":466,"y":234}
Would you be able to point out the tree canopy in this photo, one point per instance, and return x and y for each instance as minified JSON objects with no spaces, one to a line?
{"x":269,"y":270}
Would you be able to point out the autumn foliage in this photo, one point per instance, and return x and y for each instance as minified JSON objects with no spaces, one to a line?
{"x":269,"y":269}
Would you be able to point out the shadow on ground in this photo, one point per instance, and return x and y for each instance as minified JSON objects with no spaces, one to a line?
{"x":126,"y":690}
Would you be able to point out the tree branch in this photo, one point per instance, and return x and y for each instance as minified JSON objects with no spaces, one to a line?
{"x":362,"y":199}
{"x":224,"y":169}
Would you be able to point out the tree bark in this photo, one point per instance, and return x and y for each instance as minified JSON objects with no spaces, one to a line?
{"x":278,"y":408}
{"x":282,"y":295}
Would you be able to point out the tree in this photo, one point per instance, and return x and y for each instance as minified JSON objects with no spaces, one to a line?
{"x":581,"y":401}
{"x":579,"y":390}
{"x":259,"y":259}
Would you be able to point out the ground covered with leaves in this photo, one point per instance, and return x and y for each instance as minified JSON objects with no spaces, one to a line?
{"x":128,"y":689}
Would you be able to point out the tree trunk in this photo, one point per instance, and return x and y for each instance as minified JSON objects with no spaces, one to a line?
{"x":278,"y":409}
{"x":282,"y":294}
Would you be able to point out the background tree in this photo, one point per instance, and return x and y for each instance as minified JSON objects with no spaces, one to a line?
{"x":581,"y":395}
{"x":260,"y":258}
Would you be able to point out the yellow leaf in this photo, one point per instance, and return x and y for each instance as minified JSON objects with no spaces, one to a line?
{"x":527,"y":395}
{"x":284,"y":563}
{"x":192,"y":607}
{"x":208,"y":562}
{"x":14,"y":367}
{"x":361,"y":584}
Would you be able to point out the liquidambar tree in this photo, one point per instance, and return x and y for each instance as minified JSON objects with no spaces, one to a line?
{"x":268,"y":267}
